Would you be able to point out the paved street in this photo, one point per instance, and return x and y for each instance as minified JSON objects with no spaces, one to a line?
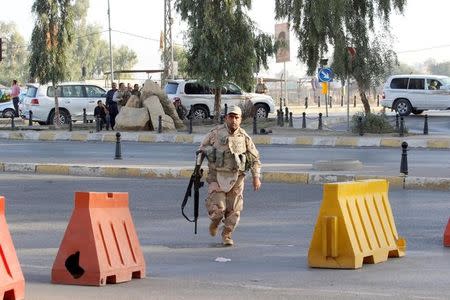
{"x":381,"y":161}
{"x":268,"y":262}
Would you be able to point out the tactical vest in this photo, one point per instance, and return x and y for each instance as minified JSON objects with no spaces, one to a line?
{"x":227,"y":156}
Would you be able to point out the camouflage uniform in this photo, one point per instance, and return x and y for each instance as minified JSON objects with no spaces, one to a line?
{"x":229,"y":156}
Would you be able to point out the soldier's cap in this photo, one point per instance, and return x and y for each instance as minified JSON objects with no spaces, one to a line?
{"x":235,"y":110}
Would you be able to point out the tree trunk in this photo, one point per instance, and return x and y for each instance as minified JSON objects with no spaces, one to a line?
{"x":56,"y":120}
{"x":363,"y":96}
{"x":364,"y":101}
{"x":217,"y":104}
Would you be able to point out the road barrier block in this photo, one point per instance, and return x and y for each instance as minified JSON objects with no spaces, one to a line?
{"x":447,"y":235}
{"x":12,"y":282}
{"x":355,"y":225}
{"x":100,"y":244}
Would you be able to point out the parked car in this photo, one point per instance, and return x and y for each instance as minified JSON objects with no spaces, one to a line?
{"x":200,"y":98}
{"x":73,"y":98}
{"x":7,"y":109}
{"x":415,"y":93}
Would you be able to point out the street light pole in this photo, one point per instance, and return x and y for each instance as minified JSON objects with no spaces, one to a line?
{"x":110,"y":46}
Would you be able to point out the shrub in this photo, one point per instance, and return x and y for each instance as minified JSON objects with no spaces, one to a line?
{"x":248,"y":109}
{"x":372,"y":123}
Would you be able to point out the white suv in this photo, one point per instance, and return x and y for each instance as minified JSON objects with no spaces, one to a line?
{"x":201,"y":99}
{"x":415,"y":93}
{"x":72,"y":99}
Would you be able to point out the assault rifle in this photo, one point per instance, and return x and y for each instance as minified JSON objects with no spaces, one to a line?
{"x":196,"y":182}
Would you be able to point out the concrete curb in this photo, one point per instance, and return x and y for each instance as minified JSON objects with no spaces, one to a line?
{"x":425,"y":183}
{"x":306,"y":140}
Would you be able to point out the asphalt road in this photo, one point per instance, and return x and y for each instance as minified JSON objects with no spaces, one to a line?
{"x":421,"y":162}
{"x":270,"y":257}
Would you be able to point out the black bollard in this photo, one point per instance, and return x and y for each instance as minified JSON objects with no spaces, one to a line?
{"x":97,"y":124}
{"x":70,"y":122}
{"x":281,"y":118}
{"x":360,"y":126}
{"x":303,"y":120}
{"x":404,"y":161}
{"x":318,"y":101}
{"x":278,"y":117}
{"x":159,"y":124}
{"x":306,"y":102}
{"x":320,"y":121}
{"x":354,"y":101}
{"x":286,"y":114}
{"x":30,"y":119}
{"x":281,"y":104}
{"x":226,"y":109}
{"x":13,"y":125}
{"x":255,"y":130}
{"x":342,"y":101}
{"x":425,"y":125}
{"x":396,"y":122}
{"x":402,"y":127}
{"x":291,"y":123}
{"x":378,"y":100}
{"x":331,"y":101}
{"x":118,"y":150}
{"x":84,"y":116}
{"x":190,"y":125}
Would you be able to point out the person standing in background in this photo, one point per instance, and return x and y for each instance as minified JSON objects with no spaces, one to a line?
{"x":15,"y":92}
{"x":111,"y":105}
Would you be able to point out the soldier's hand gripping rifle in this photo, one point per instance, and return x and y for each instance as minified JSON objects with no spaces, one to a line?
{"x":195,"y":182}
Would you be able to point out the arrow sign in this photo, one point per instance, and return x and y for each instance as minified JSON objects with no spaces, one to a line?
{"x":325,"y":75}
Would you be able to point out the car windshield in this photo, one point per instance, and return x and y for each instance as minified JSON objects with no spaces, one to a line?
{"x":171,"y":88}
{"x":31,"y":91}
{"x":445,"y":80}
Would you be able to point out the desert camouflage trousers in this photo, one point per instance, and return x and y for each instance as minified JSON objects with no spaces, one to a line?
{"x":226,"y":207}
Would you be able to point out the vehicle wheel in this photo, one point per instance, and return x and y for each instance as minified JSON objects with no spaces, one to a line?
{"x":417,"y":111}
{"x":63,"y":117}
{"x":403,"y":107}
{"x":199,"y":113}
{"x":261,"y":111}
{"x":8,"y":113}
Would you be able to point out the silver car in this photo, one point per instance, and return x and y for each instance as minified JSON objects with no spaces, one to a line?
{"x":200,"y":99}
{"x":7,"y":109}
{"x":74,"y":98}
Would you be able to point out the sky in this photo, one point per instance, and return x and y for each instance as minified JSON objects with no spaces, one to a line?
{"x":420,"y":33}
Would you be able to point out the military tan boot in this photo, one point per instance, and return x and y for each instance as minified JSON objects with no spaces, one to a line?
{"x":226,"y":237}
{"x":214,"y":227}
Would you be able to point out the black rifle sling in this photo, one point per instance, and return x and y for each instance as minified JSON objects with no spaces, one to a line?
{"x":186,"y":197}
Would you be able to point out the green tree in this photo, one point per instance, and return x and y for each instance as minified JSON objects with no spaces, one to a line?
{"x":88,"y":51}
{"x":13,"y":65}
{"x":124,"y":58}
{"x":223,"y":44}
{"x":341,"y":24}
{"x":51,"y":37}
{"x":439,"y":68}
{"x":180,"y":56}
{"x":403,"y":68}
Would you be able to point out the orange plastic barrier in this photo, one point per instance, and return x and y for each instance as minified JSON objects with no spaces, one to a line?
{"x":447,"y":235}
{"x":12,"y":283}
{"x":100,"y":244}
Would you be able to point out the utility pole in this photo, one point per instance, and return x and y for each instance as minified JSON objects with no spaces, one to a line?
{"x":110,"y":46}
{"x":168,"y":45}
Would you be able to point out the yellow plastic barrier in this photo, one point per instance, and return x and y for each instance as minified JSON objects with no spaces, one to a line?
{"x":355,"y":226}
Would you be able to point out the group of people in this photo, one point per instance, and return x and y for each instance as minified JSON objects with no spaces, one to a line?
{"x":115,"y":99}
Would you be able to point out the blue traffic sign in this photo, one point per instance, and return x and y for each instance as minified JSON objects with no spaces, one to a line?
{"x":325,"y":75}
